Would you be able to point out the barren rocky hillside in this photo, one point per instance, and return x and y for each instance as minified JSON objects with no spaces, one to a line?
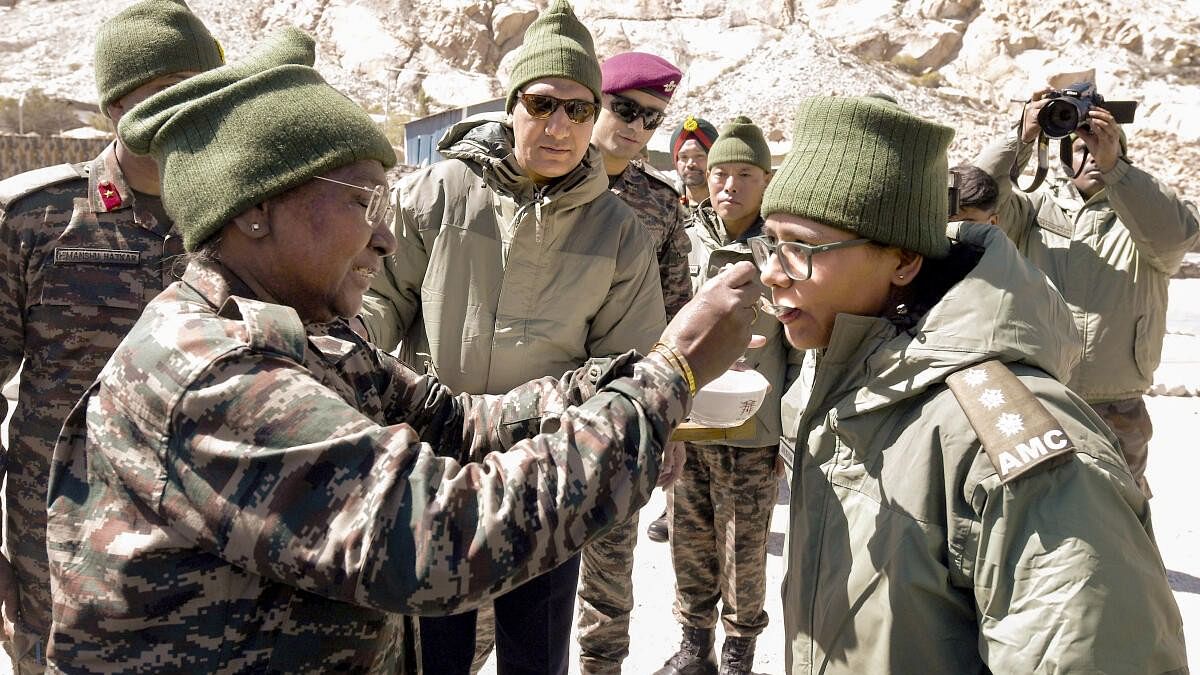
{"x":959,"y":61}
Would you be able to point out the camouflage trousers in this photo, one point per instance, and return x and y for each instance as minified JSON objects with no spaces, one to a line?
{"x":606,"y":599}
{"x":1130,"y":421}
{"x":720,"y":523}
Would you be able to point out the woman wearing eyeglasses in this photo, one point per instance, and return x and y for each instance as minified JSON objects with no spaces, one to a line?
{"x":955,"y":508}
{"x":250,"y":486}
{"x":517,"y":262}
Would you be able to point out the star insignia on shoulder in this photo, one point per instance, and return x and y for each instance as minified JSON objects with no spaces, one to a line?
{"x":975,"y":377}
{"x":991,"y":398}
{"x":1010,"y":424}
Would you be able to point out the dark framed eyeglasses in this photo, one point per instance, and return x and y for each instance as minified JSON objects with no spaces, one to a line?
{"x":794,"y":258}
{"x":379,"y":208}
{"x":629,"y":110}
{"x":541,"y":106}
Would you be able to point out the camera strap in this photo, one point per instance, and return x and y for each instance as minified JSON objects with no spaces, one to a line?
{"x":1014,"y":172}
{"x":1066,"y":155}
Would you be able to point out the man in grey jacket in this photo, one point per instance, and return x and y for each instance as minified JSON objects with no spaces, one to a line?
{"x":1109,"y":236}
{"x":515,"y":262}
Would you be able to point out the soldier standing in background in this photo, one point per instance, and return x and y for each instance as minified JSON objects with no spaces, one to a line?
{"x":689,"y":152}
{"x":84,"y":248}
{"x":723,"y":498}
{"x":636,"y":89}
{"x":1109,"y":235}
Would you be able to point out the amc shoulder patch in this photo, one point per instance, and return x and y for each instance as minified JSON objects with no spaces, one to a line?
{"x":1017,"y":432}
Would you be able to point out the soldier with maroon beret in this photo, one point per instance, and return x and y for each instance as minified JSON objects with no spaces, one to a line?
{"x":636,"y":90}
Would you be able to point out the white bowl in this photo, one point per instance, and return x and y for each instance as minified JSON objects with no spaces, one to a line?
{"x":729,"y":400}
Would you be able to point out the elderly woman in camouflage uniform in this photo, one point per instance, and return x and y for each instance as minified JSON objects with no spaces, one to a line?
{"x":251,"y":487}
{"x":956,"y":509}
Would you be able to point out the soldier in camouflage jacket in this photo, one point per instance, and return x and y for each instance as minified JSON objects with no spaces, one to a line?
{"x":83,"y":248}
{"x":235,"y":495}
{"x":251,"y":487}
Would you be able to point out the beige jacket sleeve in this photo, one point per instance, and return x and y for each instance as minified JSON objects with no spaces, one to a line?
{"x":633,"y":315}
{"x":1162,"y":226}
{"x":1067,"y":578}
{"x":1066,"y":574}
{"x":1016,"y":210}
{"x":394,"y":301}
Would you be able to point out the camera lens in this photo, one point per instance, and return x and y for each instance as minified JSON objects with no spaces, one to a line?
{"x":1059,"y":118}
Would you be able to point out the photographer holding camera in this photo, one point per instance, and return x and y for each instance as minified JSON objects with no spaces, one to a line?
{"x":1109,"y":236}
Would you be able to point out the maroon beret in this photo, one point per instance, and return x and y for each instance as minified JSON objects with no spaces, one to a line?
{"x":639,"y":70}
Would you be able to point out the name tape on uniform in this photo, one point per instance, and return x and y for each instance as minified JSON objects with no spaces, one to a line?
{"x":103,"y":256}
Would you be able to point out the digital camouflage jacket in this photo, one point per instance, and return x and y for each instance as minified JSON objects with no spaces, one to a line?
{"x":237,"y":495}
{"x":656,"y":204}
{"x":80,"y":255}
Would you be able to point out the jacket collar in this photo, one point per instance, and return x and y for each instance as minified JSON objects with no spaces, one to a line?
{"x":1067,"y":196}
{"x":487,"y":140}
{"x":107,"y":189}
{"x":713,"y":228}
{"x":214,"y":282}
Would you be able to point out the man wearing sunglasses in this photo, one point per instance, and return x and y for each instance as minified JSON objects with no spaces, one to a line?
{"x":516,"y":262}
{"x":635,"y":91}
{"x":723,"y":499}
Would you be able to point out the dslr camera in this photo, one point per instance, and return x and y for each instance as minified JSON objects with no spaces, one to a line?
{"x":1068,"y":109}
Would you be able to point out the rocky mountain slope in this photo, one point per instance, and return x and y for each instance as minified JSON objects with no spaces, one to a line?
{"x":958,"y":61}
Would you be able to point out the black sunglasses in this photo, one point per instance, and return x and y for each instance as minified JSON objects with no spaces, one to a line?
{"x":540,"y":106}
{"x":629,"y":110}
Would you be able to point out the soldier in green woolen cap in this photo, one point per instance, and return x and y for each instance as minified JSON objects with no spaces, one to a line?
{"x":250,"y":486}
{"x":85,"y":247}
{"x":727,"y":489}
{"x":516,"y":261}
{"x":956,"y":508}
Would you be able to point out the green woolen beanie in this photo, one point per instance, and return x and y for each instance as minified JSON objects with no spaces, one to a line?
{"x":556,"y":45}
{"x":741,"y":141}
{"x":867,"y":166}
{"x":236,"y":136}
{"x":147,"y":40}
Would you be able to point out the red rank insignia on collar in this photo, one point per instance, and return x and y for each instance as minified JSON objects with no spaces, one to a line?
{"x":109,"y":195}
